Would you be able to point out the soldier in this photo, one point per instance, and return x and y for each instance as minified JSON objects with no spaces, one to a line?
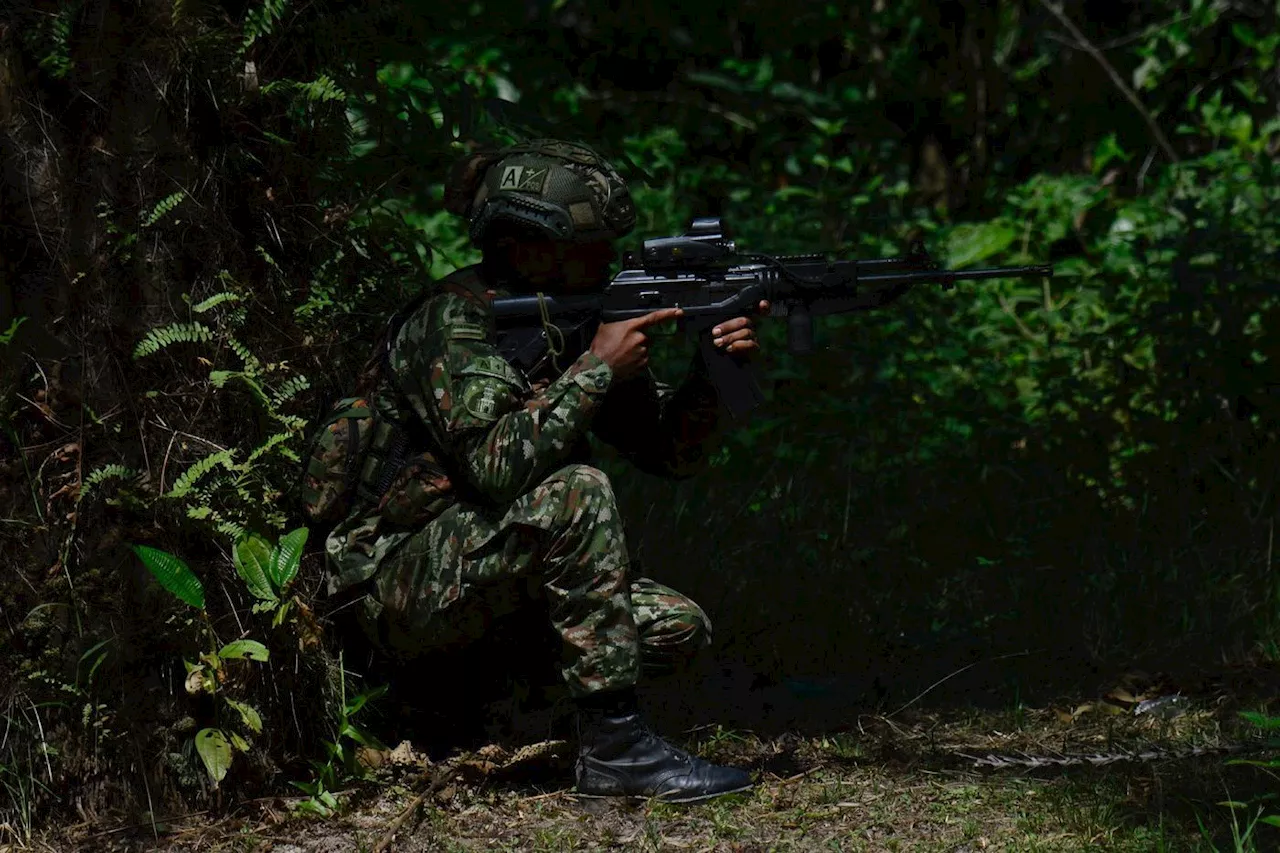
{"x":496,"y":509}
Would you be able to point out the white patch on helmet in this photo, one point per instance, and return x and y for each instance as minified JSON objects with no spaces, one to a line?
{"x":511,"y":178}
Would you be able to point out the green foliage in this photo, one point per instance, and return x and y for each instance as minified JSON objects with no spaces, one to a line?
{"x":98,"y":476}
{"x":261,"y":20}
{"x":279,"y":565}
{"x":316,"y":91}
{"x":244,"y":650}
{"x":252,"y":555}
{"x":215,"y":751}
{"x":6,"y":337}
{"x":173,"y":574}
{"x":215,"y":300}
{"x":217,"y":491}
{"x":341,"y":764}
{"x":49,"y":39}
{"x":269,"y":571}
{"x":285,"y":559}
{"x":163,"y":208}
{"x":168,"y":335}
{"x":189,"y":478}
{"x":1105,"y":441}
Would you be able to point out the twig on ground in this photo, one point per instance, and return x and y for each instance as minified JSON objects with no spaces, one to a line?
{"x":945,"y":679}
{"x":149,"y":824}
{"x":442,"y":777}
{"x":800,"y":776}
{"x":546,"y":796}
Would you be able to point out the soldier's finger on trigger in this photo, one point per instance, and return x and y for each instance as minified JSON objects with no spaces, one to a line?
{"x":655,"y":317}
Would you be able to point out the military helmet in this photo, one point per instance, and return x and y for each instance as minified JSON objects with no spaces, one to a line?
{"x":561,"y":189}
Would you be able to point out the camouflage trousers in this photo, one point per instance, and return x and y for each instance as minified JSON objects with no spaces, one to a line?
{"x":559,"y":547}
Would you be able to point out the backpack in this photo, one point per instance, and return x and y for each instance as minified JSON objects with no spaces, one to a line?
{"x":356,"y":452}
{"x":355,"y":456}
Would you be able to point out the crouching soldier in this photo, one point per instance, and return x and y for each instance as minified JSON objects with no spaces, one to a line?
{"x":478,"y":500}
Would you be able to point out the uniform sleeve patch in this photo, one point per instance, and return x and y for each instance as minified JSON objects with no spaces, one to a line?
{"x":483,"y":400}
{"x":489,"y":387}
{"x":465,"y":332}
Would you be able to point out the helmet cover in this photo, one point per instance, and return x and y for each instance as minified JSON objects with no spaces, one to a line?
{"x":564,"y":190}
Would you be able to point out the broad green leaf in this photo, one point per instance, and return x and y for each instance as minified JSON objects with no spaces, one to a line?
{"x":241,"y":649}
{"x":172,"y":574}
{"x":252,"y":559}
{"x":239,"y":742}
{"x":1262,"y":721}
{"x":286,"y":558}
{"x":1272,"y":820}
{"x":1105,"y":151}
{"x":968,"y":244}
{"x":215,"y":752}
{"x":249,"y":714}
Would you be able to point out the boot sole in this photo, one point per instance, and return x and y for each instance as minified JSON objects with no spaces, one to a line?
{"x":679,"y":800}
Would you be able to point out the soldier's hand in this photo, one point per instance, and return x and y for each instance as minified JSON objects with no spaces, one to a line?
{"x":738,"y":336}
{"x":624,"y":345}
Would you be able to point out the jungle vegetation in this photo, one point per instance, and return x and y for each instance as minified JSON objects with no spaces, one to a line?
{"x":209,"y":208}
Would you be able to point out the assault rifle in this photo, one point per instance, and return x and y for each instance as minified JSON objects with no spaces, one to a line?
{"x":702,"y":273}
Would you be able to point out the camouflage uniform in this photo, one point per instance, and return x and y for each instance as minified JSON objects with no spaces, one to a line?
{"x":520,"y":519}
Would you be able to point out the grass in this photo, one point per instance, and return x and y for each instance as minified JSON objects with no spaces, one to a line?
{"x":903,"y":782}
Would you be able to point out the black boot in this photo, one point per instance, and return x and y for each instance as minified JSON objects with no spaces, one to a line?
{"x":618,"y":756}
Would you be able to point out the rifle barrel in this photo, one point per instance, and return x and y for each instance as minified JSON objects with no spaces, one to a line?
{"x":925,"y":276}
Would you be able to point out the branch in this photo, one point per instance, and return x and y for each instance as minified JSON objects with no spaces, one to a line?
{"x":1128,"y":93}
{"x":442,"y":777}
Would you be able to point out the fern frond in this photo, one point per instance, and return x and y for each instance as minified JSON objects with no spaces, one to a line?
{"x":294,"y":423}
{"x":157,"y":339}
{"x":290,"y":389}
{"x":319,"y":90}
{"x":193,"y":474}
{"x":100,"y":475}
{"x":219,"y":379}
{"x":215,"y":300}
{"x":252,"y":365}
{"x":162,"y":208}
{"x":231,"y":529}
{"x":262,"y":20}
{"x":266,"y":256}
{"x":58,"y":35}
{"x":266,"y":446}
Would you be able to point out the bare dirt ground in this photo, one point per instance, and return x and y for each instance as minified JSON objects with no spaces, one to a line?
{"x":1087,"y":773}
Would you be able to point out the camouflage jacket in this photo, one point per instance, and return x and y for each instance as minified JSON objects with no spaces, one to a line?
{"x":486,"y":435}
